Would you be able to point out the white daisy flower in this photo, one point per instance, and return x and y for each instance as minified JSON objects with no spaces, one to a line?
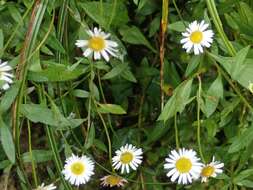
{"x":128,"y":155}
{"x":78,"y":170}
{"x":43,"y":187}
{"x":197,"y":37}
{"x":211,"y":170}
{"x":6,"y":78}
{"x":251,"y":87}
{"x":98,"y":44}
{"x":183,"y":165}
{"x":112,"y":180}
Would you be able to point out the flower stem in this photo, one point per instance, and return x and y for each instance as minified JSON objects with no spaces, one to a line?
{"x":163,"y":29}
{"x":176,"y":132}
{"x":218,"y":24}
{"x":198,"y":120}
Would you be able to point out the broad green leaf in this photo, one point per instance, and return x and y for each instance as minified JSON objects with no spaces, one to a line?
{"x":247,"y":12}
{"x":4,"y":164}
{"x":9,"y":97}
{"x":238,"y":63}
{"x":106,"y":13}
{"x":39,"y":114}
{"x":81,"y":93}
{"x":178,"y":101}
{"x":245,"y":183}
{"x":214,"y":93}
{"x":128,"y":75}
{"x":7,"y":141}
{"x":15,"y":14}
{"x":54,"y":43}
{"x":178,"y":26}
{"x":111,"y":108}
{"x":100,"y":145}
{"x":244,"y":174}
{"x":193,"y":64}
{"x":157,"y":132}
{"x":242,"y":141}
{"x":38,"y":156}
{"x":243,"y":74}
{"x":133,"y":35}
{"x":56,"y":72}
{"x":91,"y":137}
{"x":115,"y":71}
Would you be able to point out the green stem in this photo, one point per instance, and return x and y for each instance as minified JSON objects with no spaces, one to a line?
{"x":198,"y":120}
{"x":218,"y":24}
{"x":107,"y":136}
{"x":178,"y":12}
{"x":176,"y":132}
{"x":35,"y":178}
{"x":104,"y":100}
{"x":163,"y":29}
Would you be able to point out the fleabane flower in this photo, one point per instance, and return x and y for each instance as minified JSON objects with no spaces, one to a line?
{"x":78,"y":170}
{"x":47,"y":187}
{"x":6,"y":77}
{"x":211,"y":170}
{"x":197,"y":36}
{"x":112,"y":180}
{"x":183,"y":166}
{"x":127,"y":156}
{"x":98,"y":44}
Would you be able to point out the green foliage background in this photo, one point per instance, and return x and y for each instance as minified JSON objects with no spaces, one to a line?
{"x":119,"y":102}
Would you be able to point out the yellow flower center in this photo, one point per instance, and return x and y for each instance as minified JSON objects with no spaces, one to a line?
{"x":126,"y":157}
{"x":77,"y":168}
{"x":113,"y":180}
{"x":196,"y":37}
{"x":207,"y":171}
{"x":96,"y":43}
{"x":183,"y":165}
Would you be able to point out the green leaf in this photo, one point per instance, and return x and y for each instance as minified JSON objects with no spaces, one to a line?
{"x":9,"y":97}
{"x":238,"y":64}
{"x":134,"y":36}
{"x":111,"y":108}
{"x":214,"y":93}
{"x":128,"y":75}
{"x":178,"y":101}
{"x":242,"y":141}
{"x":56,"y":72}
{"x":115,"y":71}
{"x":54,"y":43}
{"x":245,"y":183}
{"x":239,"y":70}
{"x":81,"y":93}
{"x":38,"y":156}
{"x":91,"y":137}
{"x":40,"y":114}
{"x":7,"y":141}
{"x":177,"y":26}
{"x":100,"y":145}
{"x":193,"y":64}
{"x":103,"y":15}
{"x":15,"y":14}
{"x":242,"y":175}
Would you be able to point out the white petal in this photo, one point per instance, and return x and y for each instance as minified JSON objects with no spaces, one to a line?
{"x":87,"y":52}
{"x":105,"y":55}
